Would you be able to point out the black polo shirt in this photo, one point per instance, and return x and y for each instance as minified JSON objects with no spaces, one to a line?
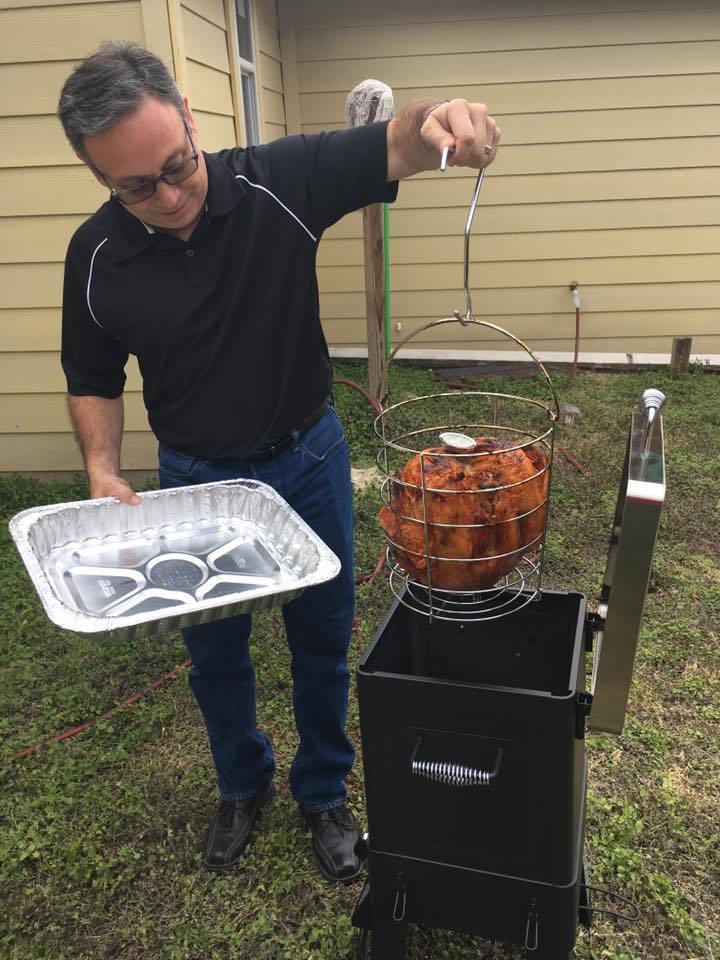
{"x":226,"y":325}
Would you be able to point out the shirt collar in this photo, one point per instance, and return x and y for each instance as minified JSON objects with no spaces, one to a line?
{"x":131,"y":236}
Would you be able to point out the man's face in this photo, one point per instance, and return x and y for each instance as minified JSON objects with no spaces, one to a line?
{"x":142,"y":146}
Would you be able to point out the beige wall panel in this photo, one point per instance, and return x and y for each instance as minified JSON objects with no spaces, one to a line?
{"x":267,"y":10}
{"x":321,"y":13}
{"x":568,"y":246}
{"x":156,"y":29}
{"x":656,"y":323}
{"x":533,"y":300}
{"x":677,"y":211}
{"x":49,"y":190}
{"x":552,"y":96}
{"x":273,"y":107}
{"x":14,"y":4}
{"x":59,"y":451}
{"x":516,"y":65}
{"x":47,"y":413}
{"x":28,"y":330}
{"x":633,"y":155}
{"x":204,"y":42}
{"x":559,"y":187}
{"x":469,"y":35}
{"x":540,"y":329}
{"x":623,"y":350}
{"x":36,"y":239}
{"x":33,"y":413}
{"x":31,"y":285}
{"x":33,"y":142}
{"x":209,"y":89}
{"x":271,"y":71}
{"x":543,"y":273}
{"x":609,"y":125}
{"x":40,"y":84}
{"x":212,"y":10}
{"x":216,"y":132}
{"x":66,"y":32}
{"x":272,"y":131}
{"x":42,"y":373}
{"x":267,"y":39}
{"x":32,"y":372}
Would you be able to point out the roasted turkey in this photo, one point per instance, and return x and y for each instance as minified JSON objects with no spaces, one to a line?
{"x":477,"y":533}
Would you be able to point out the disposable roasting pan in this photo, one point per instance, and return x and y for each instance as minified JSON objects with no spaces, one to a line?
{"x":181,"y":557}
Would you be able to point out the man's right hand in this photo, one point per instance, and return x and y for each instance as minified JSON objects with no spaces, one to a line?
{"x":111,"y":485}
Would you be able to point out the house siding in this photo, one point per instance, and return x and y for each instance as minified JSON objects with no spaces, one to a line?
{"x":45,"y":192}
{"x":607,"y":172}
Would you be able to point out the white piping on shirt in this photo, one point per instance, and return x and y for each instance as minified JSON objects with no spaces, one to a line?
{"x":87,"y":292}
{"x":259,"y":186}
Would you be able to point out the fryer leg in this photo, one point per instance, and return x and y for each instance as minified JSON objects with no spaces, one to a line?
{"x":584,"y":913}
{"x":387,"y":941}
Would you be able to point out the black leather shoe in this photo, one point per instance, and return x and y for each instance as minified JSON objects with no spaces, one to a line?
{"x":230,"y":830}
{"x":335,"y":834}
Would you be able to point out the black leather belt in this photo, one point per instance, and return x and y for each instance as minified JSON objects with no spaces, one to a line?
{"x":274,"y":448}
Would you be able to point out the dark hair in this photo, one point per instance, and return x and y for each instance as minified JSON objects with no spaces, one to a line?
{"x":110,"y":85}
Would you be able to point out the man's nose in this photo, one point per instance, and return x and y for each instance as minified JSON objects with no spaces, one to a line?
{"x":167,"y":194}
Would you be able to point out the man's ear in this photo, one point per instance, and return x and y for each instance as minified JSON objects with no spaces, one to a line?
{"x":190,"y":120}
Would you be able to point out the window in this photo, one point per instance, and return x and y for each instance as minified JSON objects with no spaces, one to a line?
{"x":248,"y":83}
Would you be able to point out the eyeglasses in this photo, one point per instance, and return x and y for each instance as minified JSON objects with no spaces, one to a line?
{"x":173,"y":175}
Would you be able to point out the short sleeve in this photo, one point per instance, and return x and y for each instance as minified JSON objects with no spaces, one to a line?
{"x":323,"y":176}
{"x":348,"y":171}
{"x":93,"y":361}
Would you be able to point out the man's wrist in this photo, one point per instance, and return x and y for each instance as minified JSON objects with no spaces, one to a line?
{"x":101,"y":473}
{"x":433,"y":105}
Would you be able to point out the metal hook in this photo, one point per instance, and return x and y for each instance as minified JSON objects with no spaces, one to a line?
{"x":400,"y":900}
{"x":532,"y":932}
{"x":468,"y":227}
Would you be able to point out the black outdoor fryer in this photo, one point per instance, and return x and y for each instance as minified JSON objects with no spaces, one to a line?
{"x":473,"y":705}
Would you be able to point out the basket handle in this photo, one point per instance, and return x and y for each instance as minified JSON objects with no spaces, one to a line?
{"x":469,"y":319}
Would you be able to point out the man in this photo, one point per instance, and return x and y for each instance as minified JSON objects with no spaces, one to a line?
{"x":203,"y":266}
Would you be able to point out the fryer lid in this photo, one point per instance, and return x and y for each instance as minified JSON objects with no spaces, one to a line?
{"x":627,"y":574}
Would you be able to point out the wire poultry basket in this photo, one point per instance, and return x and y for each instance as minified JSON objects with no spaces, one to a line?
{"x":466,"y":487}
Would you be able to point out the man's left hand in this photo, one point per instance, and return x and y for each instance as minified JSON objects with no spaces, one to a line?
{"x":466,"y":128}
{"x":417,"y":137}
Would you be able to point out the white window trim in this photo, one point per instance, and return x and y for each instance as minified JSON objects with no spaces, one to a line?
{"x":247,"y":67}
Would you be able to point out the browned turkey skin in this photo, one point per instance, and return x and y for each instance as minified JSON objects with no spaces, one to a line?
{"x":477,"y":533}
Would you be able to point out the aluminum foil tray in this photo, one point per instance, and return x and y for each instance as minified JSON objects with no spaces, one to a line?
{"x":181,"y":557}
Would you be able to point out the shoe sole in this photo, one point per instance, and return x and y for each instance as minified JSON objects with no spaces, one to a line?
{"x":232,"y":865}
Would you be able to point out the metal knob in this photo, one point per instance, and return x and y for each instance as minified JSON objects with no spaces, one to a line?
{"x":651,"y":404}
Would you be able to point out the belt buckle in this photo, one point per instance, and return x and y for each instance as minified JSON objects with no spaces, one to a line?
{"x":280,"y":446}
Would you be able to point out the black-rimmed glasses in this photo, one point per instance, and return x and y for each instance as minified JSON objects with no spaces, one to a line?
{"x":173,"y":175}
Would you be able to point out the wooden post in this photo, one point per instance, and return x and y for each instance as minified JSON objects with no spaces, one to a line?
{"x":374,"y":250}
{"x":680,"y":359}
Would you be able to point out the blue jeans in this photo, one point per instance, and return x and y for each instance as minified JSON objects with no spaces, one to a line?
{"x":314,"y":477}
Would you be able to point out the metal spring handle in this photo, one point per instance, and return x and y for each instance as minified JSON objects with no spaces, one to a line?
{"x":453,"y":774}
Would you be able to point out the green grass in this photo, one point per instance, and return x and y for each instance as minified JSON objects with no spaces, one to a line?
{"x":100,"y":834}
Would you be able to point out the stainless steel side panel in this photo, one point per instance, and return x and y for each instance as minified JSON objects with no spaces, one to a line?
{"x":637,"y":515}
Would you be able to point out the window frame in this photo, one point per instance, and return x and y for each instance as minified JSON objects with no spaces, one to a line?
{"x":250,"y":116}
